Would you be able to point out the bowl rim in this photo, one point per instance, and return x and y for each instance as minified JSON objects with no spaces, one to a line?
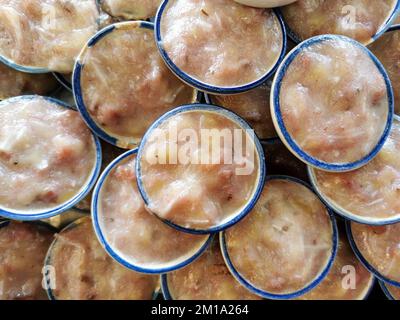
{"x":37,"y":223}
{"x":199,"y":107}
{"x":165,"y":288}
{"x":203,"y":86}
{"x":394,"y":27}
{"x":164,"y":282}
{"x":385,"y":290}
{"x":363,"y":260}
{"x":22,"y":68}
{"x":120,"y":141}
{"x":280,"y":126}
{"x":32,"y":69}
{"x":47,"y":260}
{"x":23,"y":215}
{"x":95,"y":207}
{"x":318,"y":279}
{"x":383,"y":28}
{"x":342,"y":211}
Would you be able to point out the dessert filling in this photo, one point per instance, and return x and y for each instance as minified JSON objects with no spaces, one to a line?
{"x":358,"y":19}
{"x":125,"y":84}
{"x":220,"y":42}
{"x":334,"y":101}
{"x":47,"y":154}
{"x":46,"y":33}
{"x":285,"y":242}
{"x":85,"y":271}
{"x":199,"y":169}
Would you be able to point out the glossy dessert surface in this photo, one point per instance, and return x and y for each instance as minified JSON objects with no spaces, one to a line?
{"x":387,"y":50}
{"x":23,"y":248}
{"x":220,"y":42}
{"x":204,"y":184}
{"x":85,"y":271}
{"x":333,"y":115}
{"x":379,"y":246}
{"x":47,"y":154}
{"x":46,"y":34}
{"x":285,"y":242}
{"x":135,"y":234}
{"x":358,"y":19}
{"x":347,"y":280}
{"x":125,"y":84}
{"x":207,"y":278}
{"x":371,"y":193}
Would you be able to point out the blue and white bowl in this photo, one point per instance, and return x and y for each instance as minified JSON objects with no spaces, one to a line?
{"x":392,"y":17}
{"x":391,"y":64}
{"x":244,"y":126}
{"x":269,"y":295}
{"x":30,"y":215}
{"x":164,"y":287}
{"x":48,"y":262}
{"x":28,"y":69}
{"x":364,"y":261}
{"x":116,"y":254}
{"x":290,"y":142}
{"x":98,"y":129}
{"x":346,"y":214}
{"x":206,"y":87}
{"x":34,"y":69}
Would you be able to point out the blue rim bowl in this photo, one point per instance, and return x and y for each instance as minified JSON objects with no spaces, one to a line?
{"x":47,"y":213}
{"x":47,"y":260}
{"x":364,"y":261}
{"x":280,"y":125}
{"x":346,"y":213}
{"x":268,"y":295}
{"x":235,"y":118}
{"x":28,"y":69}
{"x":386,"y":290}
{"x":200,"y":85}
{"x":109,"y":248}
{"x":393,"y":15}
{"x":164,"y":287}
{"x":119,"y":141}
{"x":31,"y":69}
{"x":395,"y":27}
